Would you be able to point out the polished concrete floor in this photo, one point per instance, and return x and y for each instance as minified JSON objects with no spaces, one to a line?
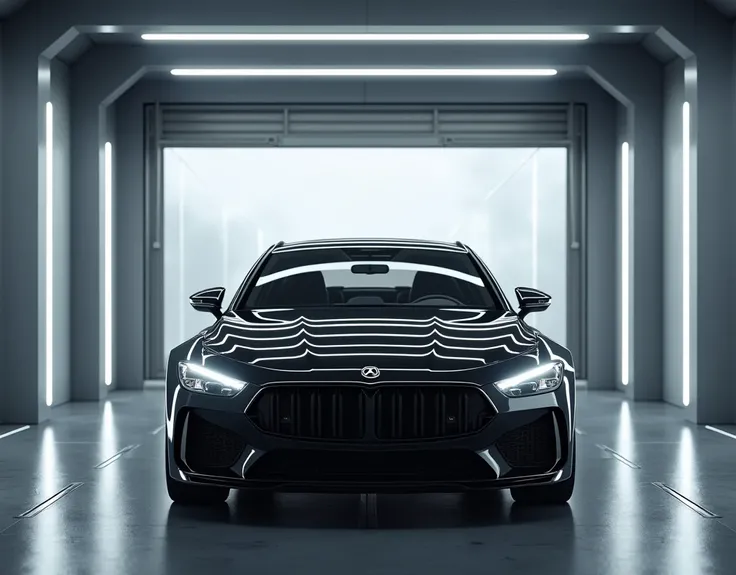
{"x":120,"y":521}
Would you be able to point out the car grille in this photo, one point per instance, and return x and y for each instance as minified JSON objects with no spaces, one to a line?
{"x":357,"y":413}
{"x":209,"y":447}
{"x":311,"y":412}
{"x":531,"y":446}
{"x":430,"y":413}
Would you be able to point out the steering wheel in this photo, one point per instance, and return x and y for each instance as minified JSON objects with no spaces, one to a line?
{"x":447,"y":297}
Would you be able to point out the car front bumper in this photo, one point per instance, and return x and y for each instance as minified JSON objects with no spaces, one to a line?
{"x":528,"y":441}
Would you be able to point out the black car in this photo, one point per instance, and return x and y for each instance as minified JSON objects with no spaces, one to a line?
{"x":370,"y":366}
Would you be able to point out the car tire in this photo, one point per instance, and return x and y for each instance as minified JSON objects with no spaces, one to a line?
{"x":557,"y":494}
{"x":186,"y":494}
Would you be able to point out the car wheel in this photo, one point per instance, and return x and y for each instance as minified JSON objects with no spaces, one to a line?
{"x":186,"y":494}
{"x":557,"y":494}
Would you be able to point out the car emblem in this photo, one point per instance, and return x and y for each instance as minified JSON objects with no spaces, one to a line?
{"x":370,"y":372}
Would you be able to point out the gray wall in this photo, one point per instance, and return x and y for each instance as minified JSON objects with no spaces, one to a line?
{"x":92,"y":126}
{"x":674,"y":96}
{"x":38,"y":26}
{"x":713,"y":247}
{"x":129,"y":206}
{"x":35,"y":29}
{"x":61,"y":100}
{"x":22,"y":146}
{"x":645,"y":139}
{"x":106,"y":71}
{"x":732,"y":208}
{"x":623,"y":134}
{"x":85,"y":243}
{"x":3,"y":389}
{"x":601,"y":238}
{"x":629,"y":68}
{"x":99,"y":74}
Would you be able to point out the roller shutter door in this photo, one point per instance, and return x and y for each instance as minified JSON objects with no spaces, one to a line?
{"x":361,"y":125}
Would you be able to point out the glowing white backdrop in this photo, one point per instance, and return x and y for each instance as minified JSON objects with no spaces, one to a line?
{"x":223,"y":207}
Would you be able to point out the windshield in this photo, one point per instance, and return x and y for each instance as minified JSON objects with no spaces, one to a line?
{"x":370,"y":276}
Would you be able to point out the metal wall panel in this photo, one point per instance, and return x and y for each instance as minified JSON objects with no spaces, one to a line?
{"x":243,"y":125}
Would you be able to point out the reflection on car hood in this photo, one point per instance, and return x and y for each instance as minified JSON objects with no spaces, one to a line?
{"x":392,"y":338}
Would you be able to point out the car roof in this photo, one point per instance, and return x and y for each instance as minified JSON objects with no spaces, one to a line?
{"x":371,"y":242}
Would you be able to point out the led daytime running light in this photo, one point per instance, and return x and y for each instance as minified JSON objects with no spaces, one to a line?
{"x":541,"y":379}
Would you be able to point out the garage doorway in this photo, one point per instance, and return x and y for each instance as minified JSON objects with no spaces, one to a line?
{"x":214,"y":208}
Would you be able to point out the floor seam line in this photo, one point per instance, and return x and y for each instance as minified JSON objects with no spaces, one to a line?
{"x":13,"y":524}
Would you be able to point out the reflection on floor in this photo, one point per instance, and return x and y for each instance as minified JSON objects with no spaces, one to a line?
{"x":120,"y":520}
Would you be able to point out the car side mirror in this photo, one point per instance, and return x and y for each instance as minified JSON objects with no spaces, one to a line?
{"x":531,"y":300}
{"x":209,"y":300}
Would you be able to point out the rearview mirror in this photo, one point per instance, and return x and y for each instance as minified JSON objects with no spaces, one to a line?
{"x":209,"y":300}
{"x":531,"y":300}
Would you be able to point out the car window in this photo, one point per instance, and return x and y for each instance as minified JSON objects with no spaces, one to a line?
{"x":370,"y":277}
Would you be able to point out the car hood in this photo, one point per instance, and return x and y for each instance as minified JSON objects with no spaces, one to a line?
{"x":396,"y":338}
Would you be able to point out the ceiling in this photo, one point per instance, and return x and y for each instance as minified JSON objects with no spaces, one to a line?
{"x":10,"y":6}
{"x":652,"y":44}
{"x":727,"y":7}
{"x":83,"y":43}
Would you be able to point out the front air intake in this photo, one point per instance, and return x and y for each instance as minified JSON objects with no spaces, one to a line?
{"x":209,"y":447}
{"x":532,"y":446}
{"x":415,"y":465}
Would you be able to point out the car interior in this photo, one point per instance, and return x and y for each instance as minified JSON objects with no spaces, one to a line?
{"x":311,"y":290}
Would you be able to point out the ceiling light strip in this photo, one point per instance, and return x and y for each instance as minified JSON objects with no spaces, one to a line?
{"x":363,"y":72}
{"x":363,"y":37}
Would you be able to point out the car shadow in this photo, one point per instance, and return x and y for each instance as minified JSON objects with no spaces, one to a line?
{"x":384,"y":512}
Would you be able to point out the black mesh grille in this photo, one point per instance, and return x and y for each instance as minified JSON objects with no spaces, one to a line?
{"x":356,"y":413}
{"x":209,"y":446}
{"x":423,"y":412}
{"x":531,"y":446}
{"x":383,"y":466}
{"x":311,"y":412}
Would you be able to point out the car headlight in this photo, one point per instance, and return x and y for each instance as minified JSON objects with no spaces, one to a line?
{"x":541,"y":379}
{"x":204,"y":380}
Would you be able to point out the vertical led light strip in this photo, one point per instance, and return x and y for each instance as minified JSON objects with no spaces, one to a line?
{"x":108,"y":263}
{"x":49,"y":254}
{"x":535,"y":221}
{"x":625,"y":225}
{"x":225,"y":247}
{"x":686,"y":254}
{"x":181,"y":214}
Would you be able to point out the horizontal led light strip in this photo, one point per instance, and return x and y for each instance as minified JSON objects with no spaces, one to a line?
{"x":363,"y":37}
{"x":363,"y":72}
